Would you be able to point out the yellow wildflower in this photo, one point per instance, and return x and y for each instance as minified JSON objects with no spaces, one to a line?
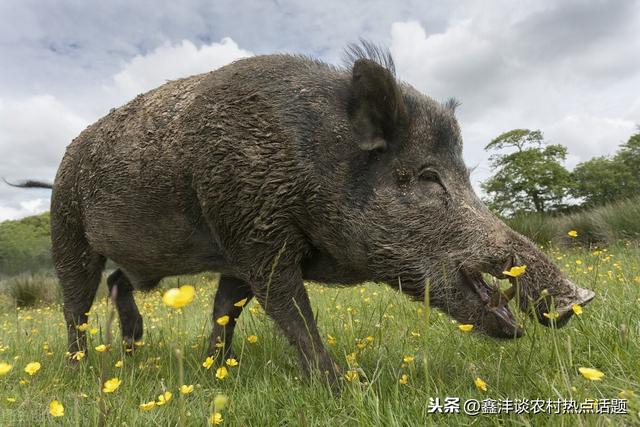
{"x":515,"y":271}
{"x":553,"y":315}
{"x":208,"y":362}
{"x":83,"y":327}
{"x":331,"y":340}
{"x":223,"y":320}
{"x":220,"y":401}
{"x":32,"y":368}
{"x":465,"y":327}
{"x":591,"y":373}
{"x":78,"y":355}
{"x":111,"y":385}
{"x":407,"y":359}
{"x":164,"y":398}
{"x":232,"y":362}
{"x":577,"y":309}
{"x":5,"y":368}
{"x":119,"y":364}
{"x":101,"y":348}
{"x":572,"y":233}
{"x":252,"y":339}
{"x":221,"y":373}
{"x":179,"y":297}
{"x":351,"y":376}
{"x":403,"y":379}
{"x":147,"y":406}
{"x":241,"y":303}
{"x":216,"y":418}
{"x":186,"y":389}
{"x":93,"y":331}
{"x":56,"y":409}
{"x":480,"y":384}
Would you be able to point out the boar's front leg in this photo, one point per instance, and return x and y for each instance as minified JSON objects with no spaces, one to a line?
{"x":231,"y":297}
{"x":285,"y":300}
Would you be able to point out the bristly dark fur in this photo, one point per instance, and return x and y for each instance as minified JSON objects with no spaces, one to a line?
{"x":451,"y":104}
{"x":368,"y":50}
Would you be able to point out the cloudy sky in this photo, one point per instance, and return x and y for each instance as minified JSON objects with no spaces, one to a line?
{"x":569,"y":68}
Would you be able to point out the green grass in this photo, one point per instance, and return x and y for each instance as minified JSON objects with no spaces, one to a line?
{"x":266,"y":387}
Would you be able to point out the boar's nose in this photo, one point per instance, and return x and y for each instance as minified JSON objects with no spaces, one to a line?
{"x":564,"y":308}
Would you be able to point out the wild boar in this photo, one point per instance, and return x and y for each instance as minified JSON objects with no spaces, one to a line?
{"x":280,"y":168}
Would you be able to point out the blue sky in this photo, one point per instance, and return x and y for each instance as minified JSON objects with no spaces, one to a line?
{"x":569,"y":68}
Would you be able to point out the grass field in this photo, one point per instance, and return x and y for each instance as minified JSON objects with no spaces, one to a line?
{"x":374,"y":334}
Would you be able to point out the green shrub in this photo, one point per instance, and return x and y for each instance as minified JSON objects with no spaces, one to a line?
{"x":602,"y":225}
{"x":27,"y":290}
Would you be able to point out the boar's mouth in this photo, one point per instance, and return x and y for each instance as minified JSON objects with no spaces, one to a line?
{"x":496,"y":318}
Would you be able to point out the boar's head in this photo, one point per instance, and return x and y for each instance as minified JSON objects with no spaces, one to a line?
{"x":419,"y":222}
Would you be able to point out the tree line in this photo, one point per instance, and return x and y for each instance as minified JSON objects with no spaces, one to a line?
{"x":529,"y":175}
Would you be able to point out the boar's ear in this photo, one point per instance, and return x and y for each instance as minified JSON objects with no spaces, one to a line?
{"x":376,"y":107}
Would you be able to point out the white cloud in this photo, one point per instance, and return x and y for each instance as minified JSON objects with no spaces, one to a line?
{"x":33,"y":134}
{"x":590,"y":136}
{"x":167,"y":62}
{"x":35,"y":130}
{"x":25,"y":208}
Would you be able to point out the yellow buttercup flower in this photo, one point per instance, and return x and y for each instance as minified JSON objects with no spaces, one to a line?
{"x":407,"y":359}
{"x":5,"y":368}
{"x":577,"y":309}
{"x":147,"y":406}
{"x":186,"y":389}
{"x":78,"y":355}
{"x":164,"y":398}
{"x":219,"y":402}
{"x":465,"y":327}
{"x":223,"y":320}
{"x":32,"y":368}
{"x":101,"y":348}
{"x":241,"y":303}
{"x":515,"y":271}
{"x":111,"y":385}
{"x":572,"y":233}
{"x":403,"y":379}
{"x":83,"y":327}
{"x":553,"y":315}
{"x":331,"y":340}
{"x":232,"y":362}
{"x":179,"y":297}
{"x":252,"y":339}
{"x":480,"y":384}
{"x":221,"y":373}
{"x":118,"y":364}
{"x":351,"y":376}
{"x":208,"y":362}
{"x":216,"y":418}
{"x":56,"y":409}
{"x":591,"y":373}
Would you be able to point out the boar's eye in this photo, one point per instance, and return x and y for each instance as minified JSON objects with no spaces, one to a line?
{"x":429,"y":175}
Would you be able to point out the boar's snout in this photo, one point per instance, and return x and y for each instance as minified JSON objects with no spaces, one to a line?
{"x":562,"y":307}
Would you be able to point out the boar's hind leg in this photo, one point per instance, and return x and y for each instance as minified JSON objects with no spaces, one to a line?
{"x":287,"y":303}
{"x":130,"y":318}
{"x":230,"y":292}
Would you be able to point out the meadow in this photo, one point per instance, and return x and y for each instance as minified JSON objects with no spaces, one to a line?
{"x":397,"y":356}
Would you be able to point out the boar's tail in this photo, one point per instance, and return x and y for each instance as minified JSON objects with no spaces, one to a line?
{"x":29,"y":184}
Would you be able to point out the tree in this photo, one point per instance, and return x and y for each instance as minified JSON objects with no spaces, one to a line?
{"x":605,"y":179}
{"x":532,"y":178}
